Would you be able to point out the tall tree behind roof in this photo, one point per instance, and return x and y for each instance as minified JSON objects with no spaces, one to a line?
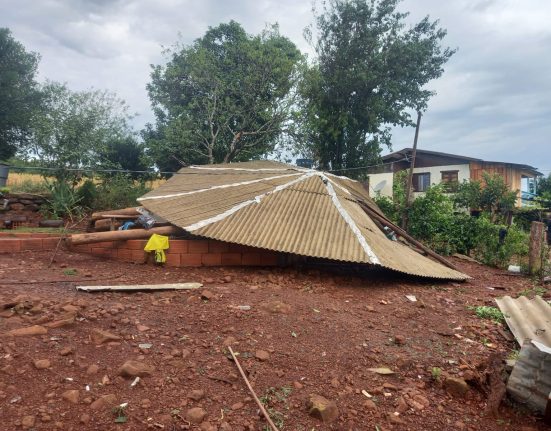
{"x":226,"y":97}
{"x":370,"y":73}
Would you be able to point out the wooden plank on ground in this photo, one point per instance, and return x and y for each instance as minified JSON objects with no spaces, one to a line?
{"x":141,"y":287}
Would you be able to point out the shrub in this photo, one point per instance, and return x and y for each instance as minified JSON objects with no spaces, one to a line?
{"x":119,"y":191}
{"x":88,"y":194}
{"x":63,"y":201}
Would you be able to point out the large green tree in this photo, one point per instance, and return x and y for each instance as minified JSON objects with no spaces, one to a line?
{"x":19,"y":97}
{"x":77,"y":129}
{"x":226,"y":97}
{"x":370,"y":74}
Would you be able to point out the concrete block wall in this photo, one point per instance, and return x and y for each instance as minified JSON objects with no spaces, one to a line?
{"x":11,"y":242}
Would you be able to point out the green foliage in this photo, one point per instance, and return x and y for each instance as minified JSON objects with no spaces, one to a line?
{"x":436,"y":373}
{"x":70,"y":271}
{"x":87,"y":194}
{"x":490,"y":251}
{"x":75,"y":129}
{"x":543,"y":190}
{"x":226,"y":97}
{"x":62,"y":202}
{"x":120,"y":191}
{"x":19,"y":96}
{"x":371,"y":72}
{"x":492,"y":196}
{"x":127,"y":154}
{"x":487,"y":312}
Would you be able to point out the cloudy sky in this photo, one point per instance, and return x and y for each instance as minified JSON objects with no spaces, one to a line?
{"x":493,"y":101}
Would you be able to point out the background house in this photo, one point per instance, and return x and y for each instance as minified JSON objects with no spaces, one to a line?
{"x":432,"y":167}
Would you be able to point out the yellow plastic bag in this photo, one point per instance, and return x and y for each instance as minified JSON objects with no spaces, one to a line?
{"x":157,"y":243}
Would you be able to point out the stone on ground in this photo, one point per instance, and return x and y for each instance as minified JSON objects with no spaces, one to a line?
{"x":322,"y":408}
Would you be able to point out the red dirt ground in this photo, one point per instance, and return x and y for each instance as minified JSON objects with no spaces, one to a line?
{"x":335,"y":328}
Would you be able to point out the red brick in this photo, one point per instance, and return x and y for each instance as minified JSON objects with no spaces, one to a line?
{"x":178,"y":246}
{"x":238,"y":248}
{"x":198,"y":246}
{"x":135,"y":244}
{"x":124,"y":254}
{"x":10,"y":245}
{"x":100,"y":251}
{"x":211,"y":259}
{"x":251,"y":259}
{"x":83,"y":248}
{"x":31,"y":244}
{"x":218,"y":246}
{"x":104,"y":244}
{"x":138,"y":256}
{"x":172,"y":260}
{"x":190,"y":259}
{"x":231,"y":259}
{"x":49,"y":243}
{"x":269,"y":259}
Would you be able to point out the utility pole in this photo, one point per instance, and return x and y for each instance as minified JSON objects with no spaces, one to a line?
{"x":410,"y":175}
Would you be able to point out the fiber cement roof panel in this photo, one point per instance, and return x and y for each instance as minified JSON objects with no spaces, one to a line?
{"x":284,"y":208}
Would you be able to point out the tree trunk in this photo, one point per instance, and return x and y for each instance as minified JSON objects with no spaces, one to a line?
{"x":120,"y":235}
{"x":537,"y":244}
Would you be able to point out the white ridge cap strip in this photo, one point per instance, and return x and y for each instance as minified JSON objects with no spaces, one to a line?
{"x":241,"y":169}
{"x":339,"y":176}
{"x":336,"y":184}
{"x":223,"y":186}
{"x":372,"y":257}
{"x":244,"y":204}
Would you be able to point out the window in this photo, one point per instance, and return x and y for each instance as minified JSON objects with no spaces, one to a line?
{"x":421,"y":182}
{"x":450,"y":179}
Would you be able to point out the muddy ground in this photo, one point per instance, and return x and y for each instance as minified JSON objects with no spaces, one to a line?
{"x":297,"y":332}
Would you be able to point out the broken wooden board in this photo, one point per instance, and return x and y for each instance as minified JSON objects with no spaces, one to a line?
{"x":141,"y":287}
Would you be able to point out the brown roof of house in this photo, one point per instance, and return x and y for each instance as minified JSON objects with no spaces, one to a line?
{"x":284,"y":208}
{"x":406,"y":152}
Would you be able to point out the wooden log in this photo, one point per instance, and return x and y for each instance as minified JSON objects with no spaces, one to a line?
{"x":130,"y":212}
{"x":120,"y":235}
{"x":537,"y":243}
{"x":106,"y":224}
{"x":399,"y":231}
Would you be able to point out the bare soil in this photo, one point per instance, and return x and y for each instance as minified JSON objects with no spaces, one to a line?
{"x":320,"y":330}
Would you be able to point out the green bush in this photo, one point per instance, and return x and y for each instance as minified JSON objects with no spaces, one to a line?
{"x":62,"y":202}
{"x":489,"y":249}
{"x":119,"y":191}
{"x":88,"y":193}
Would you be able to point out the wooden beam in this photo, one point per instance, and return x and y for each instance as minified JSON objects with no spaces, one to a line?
{"x":128,"y":212}
{"x":120,"y":235}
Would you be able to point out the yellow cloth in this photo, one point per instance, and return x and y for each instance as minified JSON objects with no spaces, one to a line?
{"x":157,"y":243}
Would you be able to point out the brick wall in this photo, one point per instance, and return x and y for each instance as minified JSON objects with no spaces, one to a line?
{"x":182,"y":252}
{"x":15,"y":242}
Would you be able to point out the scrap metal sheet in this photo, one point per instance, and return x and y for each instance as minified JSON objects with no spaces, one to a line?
{"x":527,"y":319}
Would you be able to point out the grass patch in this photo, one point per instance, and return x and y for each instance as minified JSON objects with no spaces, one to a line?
{"x":70,"y":271}
{"x":488,"y":312}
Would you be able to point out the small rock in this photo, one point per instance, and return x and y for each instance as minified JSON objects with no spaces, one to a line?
{"x":456,"y":386}
{"x":92,"y":369}
{"x":28,"y":422}
{"x":142,"y":328}
{"x":99,"y":336}
{"x":370,"y":405}
{"x":276,"y":307}
{"x":262,"y":355}
{"x":197,"y":394}
{"x":71,"y":396}
{"x":229,"y":341}
{"x":195,"y":415}
{"x":227,"y":279}
{"x":108,"y":400}
{"x":399,"y":340}
{"x":207,"y":295}
{"x":28,"y":331}
{"x":135,"y":369}
{"x":41,"y":364}
{"x":321,"y":408}
{"x":85,"y":418}
{"x":237,"y":406}
{"x":66,"y":351}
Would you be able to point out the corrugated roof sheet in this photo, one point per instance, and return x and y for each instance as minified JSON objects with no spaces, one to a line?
{"x":284,"y":208}
{"x":527,"y":319}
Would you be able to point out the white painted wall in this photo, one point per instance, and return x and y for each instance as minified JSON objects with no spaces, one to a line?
{"x":463,"y":173}
{"x":375,"y":179}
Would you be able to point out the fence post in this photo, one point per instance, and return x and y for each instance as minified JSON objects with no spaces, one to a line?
{"x":537,"y":243}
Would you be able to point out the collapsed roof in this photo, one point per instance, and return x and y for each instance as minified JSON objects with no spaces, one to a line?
{"x":285,"y":208}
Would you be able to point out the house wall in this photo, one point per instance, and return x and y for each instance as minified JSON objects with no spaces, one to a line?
{"x":435,"y":177}
{"x":375,"y":179}
{"x":511,"y":174}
